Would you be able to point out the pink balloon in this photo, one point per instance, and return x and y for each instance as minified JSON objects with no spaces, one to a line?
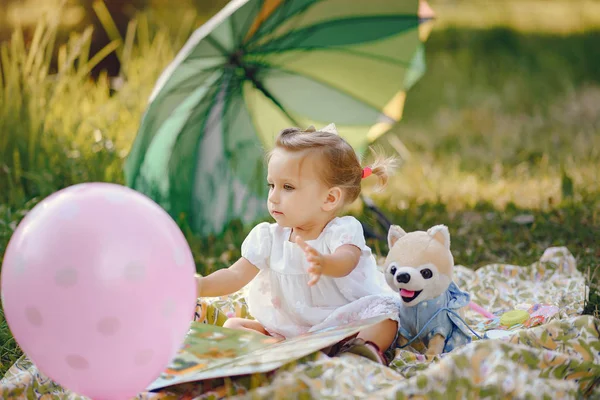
{"x":98,"y":289}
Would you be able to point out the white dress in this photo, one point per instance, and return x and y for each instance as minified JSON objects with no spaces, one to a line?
{"x":279,"y":296}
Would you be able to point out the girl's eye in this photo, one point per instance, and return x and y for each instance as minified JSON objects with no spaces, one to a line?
{"x":288,"y":187}
{"x":271,"y":186}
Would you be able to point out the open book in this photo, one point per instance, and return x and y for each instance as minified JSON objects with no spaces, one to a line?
{"x":211,"y":351}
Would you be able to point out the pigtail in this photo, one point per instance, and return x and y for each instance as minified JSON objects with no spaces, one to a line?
{"x":382,"y":167}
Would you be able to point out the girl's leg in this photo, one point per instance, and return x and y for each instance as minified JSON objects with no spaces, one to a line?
{"x":382,"y":334}
{"x":245,"y":324}
{"x":371,"y":343}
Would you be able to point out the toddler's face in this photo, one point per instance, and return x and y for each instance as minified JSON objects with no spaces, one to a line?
{"x":296,"y":192}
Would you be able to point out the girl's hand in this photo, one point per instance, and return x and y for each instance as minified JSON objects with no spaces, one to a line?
{"x":316,"y":260}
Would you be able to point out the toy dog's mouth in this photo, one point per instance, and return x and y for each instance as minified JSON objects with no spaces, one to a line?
{"x":409,"y":295}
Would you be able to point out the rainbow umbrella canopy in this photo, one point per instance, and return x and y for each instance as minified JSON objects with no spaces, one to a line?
{"x":258,"y":67}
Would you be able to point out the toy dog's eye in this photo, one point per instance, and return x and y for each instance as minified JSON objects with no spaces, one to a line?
{"x":393,"y":270}
{"x":426,"y":273}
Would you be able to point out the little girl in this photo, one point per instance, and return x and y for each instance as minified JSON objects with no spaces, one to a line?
{"x":311,"y":269}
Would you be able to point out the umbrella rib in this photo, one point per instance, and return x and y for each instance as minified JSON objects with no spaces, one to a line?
{"x":216,"y":45}
{"x":310,"y":30}
{"x":203,"y":129}
{"x":234,"y":90}
{"x":269,"y":96}
{"x":229,"y":93}
{"x":234,"y":32}
{"x":387,"y":60}
{"x":193,"y":41}
{"x":307,"y":31}
{"x":228,"y":89}
{"x":249,"y":19}
{"x":190,"y":84}
{"x":281,"y":13}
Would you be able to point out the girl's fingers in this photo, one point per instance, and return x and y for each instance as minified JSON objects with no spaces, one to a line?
{"x":310,"y":251}
{"x":315,"y":268}
{"x":314,"y":279}
{"x":304,"y":246}
{"x":312,"y":258}
{"x":313,"y":252}
{"x":314,"y":272}
{"x":300,"y":242}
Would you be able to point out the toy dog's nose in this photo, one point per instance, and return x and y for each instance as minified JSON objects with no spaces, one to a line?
{"x":403,"y":277}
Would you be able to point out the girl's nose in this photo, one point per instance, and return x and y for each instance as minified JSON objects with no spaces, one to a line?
{"x":274,"y":196}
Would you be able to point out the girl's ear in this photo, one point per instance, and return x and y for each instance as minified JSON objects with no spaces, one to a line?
{"x":333,"y":200}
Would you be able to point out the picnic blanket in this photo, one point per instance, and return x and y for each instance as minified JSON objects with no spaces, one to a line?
{"x":555,"y":357}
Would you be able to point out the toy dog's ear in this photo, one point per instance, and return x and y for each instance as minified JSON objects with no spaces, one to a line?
{"x":394,"y":234}
{"x":441,"y":234}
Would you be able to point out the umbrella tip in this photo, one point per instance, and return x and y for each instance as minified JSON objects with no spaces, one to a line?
{"x":425,"y":11}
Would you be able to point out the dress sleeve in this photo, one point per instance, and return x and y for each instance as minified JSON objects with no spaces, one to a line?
{"x":256,"y":248}
{"x":346,"y":230}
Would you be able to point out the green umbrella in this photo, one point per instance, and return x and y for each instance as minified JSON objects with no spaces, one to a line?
{"x":260,"y":66}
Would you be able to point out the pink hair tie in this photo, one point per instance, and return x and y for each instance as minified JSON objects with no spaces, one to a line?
{"x":367,"y":171}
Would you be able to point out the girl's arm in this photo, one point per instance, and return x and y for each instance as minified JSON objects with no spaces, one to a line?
{"x":342,"y":261}
{"x":337,"y":265}
{"x":226,"y":281}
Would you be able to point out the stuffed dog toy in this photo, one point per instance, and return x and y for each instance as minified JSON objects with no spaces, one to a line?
{"x":419,"y":267}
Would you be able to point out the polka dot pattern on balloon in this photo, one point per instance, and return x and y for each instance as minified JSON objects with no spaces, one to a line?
{"x":34,"y":316}
{"x":108,"y":326}
{"x":66,"y":277}
{"x":77,"y":362}
{"x":135,"y":272}
{"x":143,"y":357}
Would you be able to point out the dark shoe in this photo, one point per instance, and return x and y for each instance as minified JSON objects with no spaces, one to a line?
{"x":365,"y":349}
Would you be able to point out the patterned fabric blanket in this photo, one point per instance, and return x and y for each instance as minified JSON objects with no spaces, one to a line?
{"x":553,"y":355}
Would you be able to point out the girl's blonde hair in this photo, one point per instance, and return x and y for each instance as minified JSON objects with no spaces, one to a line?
{"x":342,"y":165}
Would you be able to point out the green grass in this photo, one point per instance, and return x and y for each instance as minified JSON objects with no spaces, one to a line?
{"x":502,"y":116}
{"x":499,"y":140}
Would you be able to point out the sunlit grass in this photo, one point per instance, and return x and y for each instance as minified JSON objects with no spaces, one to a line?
{"x":532,"y":16}
{"x":421,"y":182}
{"x":60,"y":127}
{"x":30,"y":12}
{"x":484,"y":153}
